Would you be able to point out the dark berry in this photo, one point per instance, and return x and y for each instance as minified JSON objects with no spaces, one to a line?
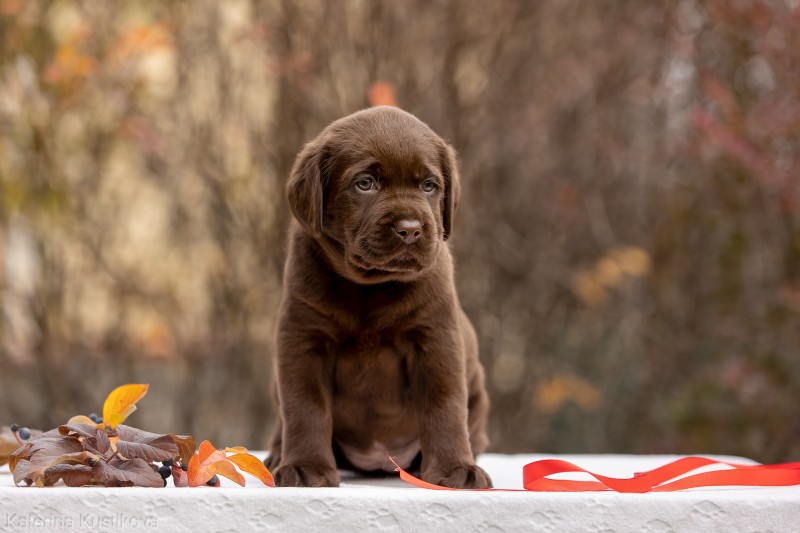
{"x":213,"y":481}
{"x":14,"y":428}
{"x":165,"y":482}
{"x":165,"y":471}
{"x":91,"y":461}
{"x":99,"y":420}
{"x":94,"y":417}
{"x":24,"y":433}
{"x":184,"y":467}
{"x":168,"y":462}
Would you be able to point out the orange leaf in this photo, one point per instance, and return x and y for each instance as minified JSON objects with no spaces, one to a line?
{"x":226,"y":469}
{"x":236,"y":449}
{"x":252,"y":465}
{"x":199,"y":474}
{"x":209,"y":454}
{"x":381,"y":93}
{"x":206,"y":449}
{"x":203,"y":465}
{"x":121,"y":403}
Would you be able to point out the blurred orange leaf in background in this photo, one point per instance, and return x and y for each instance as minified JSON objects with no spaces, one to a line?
{"x":10,"y":7}
{"x":591,"y":285}
{"x":382,"y":93}
{"x":553,"y":393}
{"x":141,"y":40}
{"x":69,"y":65}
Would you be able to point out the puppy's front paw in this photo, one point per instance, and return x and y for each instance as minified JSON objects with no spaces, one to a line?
{"x":459,"y":477}
{"x":306,"y":475}
{"x":273,"y":460}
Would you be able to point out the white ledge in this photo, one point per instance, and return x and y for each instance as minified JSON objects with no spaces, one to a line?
{"x":391,"y":505}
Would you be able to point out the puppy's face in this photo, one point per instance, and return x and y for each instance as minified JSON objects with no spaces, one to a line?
{"x":378,"y":190}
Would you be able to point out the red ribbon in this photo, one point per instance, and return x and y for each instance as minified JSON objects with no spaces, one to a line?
{"x":661,"y":479}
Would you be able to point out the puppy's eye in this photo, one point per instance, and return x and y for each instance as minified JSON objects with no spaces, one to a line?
{"x":429,"y":185}
{"x":365,"y":183}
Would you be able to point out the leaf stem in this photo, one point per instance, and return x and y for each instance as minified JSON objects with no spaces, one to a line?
{"x":112,"y":456}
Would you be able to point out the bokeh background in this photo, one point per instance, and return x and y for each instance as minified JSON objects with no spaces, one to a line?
{"x":628,"y":241}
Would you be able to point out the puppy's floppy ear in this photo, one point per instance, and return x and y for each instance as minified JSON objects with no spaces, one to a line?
{"x":452,"y":186}
{"x":305,"y":188}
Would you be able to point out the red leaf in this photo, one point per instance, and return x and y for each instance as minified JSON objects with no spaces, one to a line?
{"x":179,"y":477}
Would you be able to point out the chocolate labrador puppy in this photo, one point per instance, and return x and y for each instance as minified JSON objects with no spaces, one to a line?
{"x":374,"y":354}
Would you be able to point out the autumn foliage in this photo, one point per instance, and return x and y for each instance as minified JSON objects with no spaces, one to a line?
{"x":627,"y":240}
{"x":83,"y":452}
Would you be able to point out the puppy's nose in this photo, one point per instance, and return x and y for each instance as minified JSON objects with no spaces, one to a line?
{"x":409,"y":230}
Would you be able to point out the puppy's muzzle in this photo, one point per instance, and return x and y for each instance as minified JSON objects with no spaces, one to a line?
{"x":408,"y":230}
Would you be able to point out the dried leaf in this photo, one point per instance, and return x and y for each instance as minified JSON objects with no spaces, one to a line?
{"x":7,"y":444}
{"x":51,"y":434}
{"x":253,"y":466}
{"x":121,"y":403}
{"x":39,"y":463}
{"x":134,"y":443}
{"x":22,"y":472}
{"x":74,"y":475}
{"x":80,"y":429}
{"x":133,"y":472}
{"x":186,"y":447}
{"x":102,"y":441}
{"x":54,"y":447}
{"x":18,"y":455}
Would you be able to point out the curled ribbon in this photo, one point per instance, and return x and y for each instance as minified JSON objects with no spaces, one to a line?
{"x":661,"y":479}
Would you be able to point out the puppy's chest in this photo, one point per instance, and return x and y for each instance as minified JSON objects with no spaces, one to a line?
{"x":371,"y":314}
{"x":372,"y":358}
{"x":372,"y":365}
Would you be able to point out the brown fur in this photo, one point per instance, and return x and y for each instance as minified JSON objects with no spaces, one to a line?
{"x":373,"y":350}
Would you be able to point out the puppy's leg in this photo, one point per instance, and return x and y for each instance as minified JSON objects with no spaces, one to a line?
{"x":440,"y":394}
{"x":304,"y":389}
{"x":275,"y":445}
{"x":478,"y":412}
{"x":478,"y":405}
